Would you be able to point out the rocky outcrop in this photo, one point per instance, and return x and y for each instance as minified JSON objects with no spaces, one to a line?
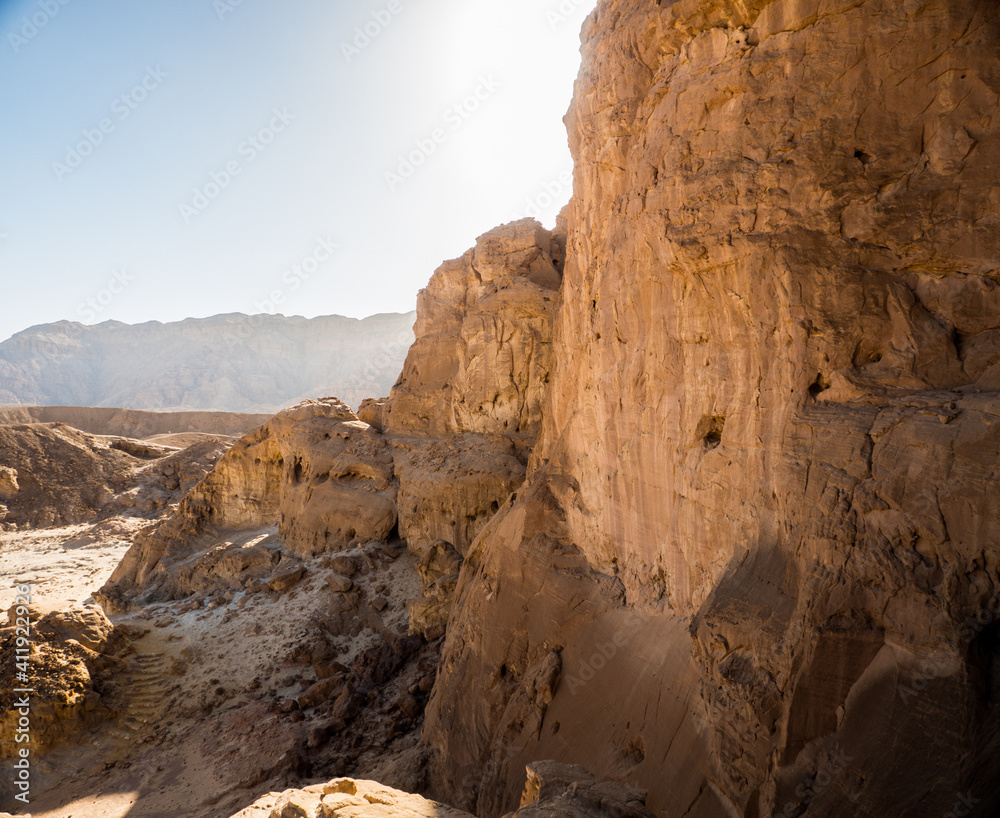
{"x":9,"y":487}
{"x":467,"y":408}
{"x":482,"y":357}
{"x":349,"y":799}
{"x":71,"y":649}
{"x":552,"y":791}
{"x":757,"y":527}
{"x":317,"y":476}
{"x":236,"y":363}
{"x":317,"y":471}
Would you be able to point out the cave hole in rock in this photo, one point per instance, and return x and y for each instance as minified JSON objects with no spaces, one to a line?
{"x":297,"y":473}
{"x":863,"y":157}
{"x":634,"y":752}
{"x":819,"y":386}
{"x":710,"y":430}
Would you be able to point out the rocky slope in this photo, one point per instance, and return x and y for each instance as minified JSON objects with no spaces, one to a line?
{"x":755,"y":558}
{"x":236,"y":363}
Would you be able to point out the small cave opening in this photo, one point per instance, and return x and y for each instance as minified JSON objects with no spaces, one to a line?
{"x":863,"y":157}
{"x":710,"y":430}
{"x":819,"y":386}
{"x":297,"y":473}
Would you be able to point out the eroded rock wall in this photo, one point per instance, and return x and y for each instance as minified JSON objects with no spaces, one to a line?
{"x":483,"y":353}
{"x":761,"y":517}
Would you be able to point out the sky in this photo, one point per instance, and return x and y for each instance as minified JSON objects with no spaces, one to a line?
{"x":168,"y":159}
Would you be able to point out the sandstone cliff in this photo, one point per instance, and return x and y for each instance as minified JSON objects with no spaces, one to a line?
{"x":237,"y":363}
{"x":754,"y":567}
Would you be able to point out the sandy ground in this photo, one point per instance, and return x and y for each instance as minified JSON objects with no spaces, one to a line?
{"x":63,"y":565}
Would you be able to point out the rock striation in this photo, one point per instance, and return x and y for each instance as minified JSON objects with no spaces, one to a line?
{"x":759,"y":526}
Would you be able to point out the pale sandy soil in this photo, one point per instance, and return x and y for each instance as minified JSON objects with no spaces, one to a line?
{"x":63,"y":565}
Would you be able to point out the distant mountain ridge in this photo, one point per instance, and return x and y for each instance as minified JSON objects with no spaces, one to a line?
{"x":231,"y":363}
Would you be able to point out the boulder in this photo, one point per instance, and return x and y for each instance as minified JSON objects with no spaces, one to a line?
{"x":8,"y":483}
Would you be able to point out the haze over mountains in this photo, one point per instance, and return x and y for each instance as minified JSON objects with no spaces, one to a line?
{"x":233,"y":362}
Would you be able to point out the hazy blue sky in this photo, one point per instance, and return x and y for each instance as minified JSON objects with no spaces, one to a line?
{"x":116,"y":114}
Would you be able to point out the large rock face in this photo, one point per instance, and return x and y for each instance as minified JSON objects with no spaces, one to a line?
{"x":468,"y":406}
{"x":758,"y":534}
{"x":237,"y":363}
{"x":483,"y":353}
